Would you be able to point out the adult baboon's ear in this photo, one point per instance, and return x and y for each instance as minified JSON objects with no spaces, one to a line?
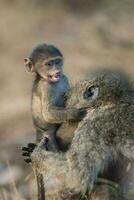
{"x":29,"y":65}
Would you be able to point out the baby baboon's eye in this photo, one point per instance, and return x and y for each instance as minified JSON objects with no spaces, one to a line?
{"x":49,"y":64}
{"x":58,"y":62}
{"x":91,"y":93}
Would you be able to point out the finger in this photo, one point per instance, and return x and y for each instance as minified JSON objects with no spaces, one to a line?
{"x":26,"y":154}
{"x":32,"y":145}
{"x":25,"y":149}
{"x":28,"y":160}
{"x":83,"y":109}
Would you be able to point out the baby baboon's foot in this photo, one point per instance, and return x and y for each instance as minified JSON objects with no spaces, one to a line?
{"x":27,"y":151}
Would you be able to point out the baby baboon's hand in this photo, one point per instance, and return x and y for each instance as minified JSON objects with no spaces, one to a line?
{"x":77,"y":114}
{"x":27,"y":151}
{"x":82,"y":113}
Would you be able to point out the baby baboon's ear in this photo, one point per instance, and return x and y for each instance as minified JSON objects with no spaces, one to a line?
{"x":29,"y":65}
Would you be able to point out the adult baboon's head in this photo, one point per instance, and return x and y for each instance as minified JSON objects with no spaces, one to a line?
{"x":102,"y":86}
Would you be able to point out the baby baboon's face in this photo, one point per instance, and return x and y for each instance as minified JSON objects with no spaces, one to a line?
{"x":46,"y":61}
{"x":53,"y":69}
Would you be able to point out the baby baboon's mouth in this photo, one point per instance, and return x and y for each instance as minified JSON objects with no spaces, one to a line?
{"x":54,"y":77}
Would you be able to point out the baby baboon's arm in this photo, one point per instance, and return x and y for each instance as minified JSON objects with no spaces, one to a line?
{"x":54,"y":114}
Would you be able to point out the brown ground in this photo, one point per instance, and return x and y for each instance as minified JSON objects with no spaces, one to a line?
{"x":87,"y":41}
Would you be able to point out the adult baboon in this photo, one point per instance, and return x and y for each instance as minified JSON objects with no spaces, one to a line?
{"x":104,"y":134}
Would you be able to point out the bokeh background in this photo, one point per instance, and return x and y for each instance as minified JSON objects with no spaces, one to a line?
{"x":90,"y":34}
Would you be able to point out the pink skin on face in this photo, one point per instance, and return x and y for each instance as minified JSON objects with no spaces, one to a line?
{"x":54,"y":77}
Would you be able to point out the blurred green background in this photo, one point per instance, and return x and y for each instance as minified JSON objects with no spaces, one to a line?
{"x":90,"y":34}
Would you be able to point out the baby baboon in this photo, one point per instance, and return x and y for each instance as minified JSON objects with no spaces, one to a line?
{"x":49,"y":88}
{"x":104,"y":134}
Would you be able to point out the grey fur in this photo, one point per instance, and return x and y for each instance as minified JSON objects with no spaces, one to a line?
{"x":106,"y":131}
